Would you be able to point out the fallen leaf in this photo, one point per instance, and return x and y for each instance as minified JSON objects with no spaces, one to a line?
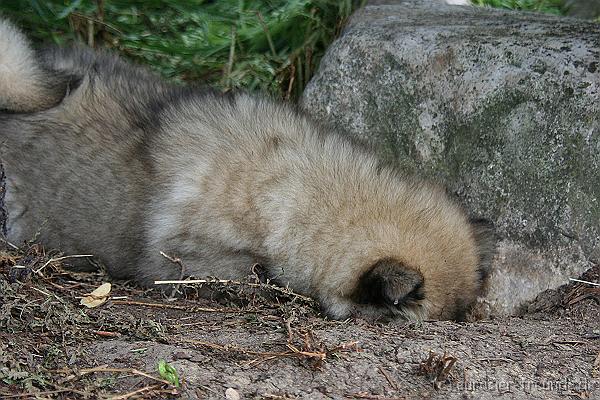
{"x":97,"y":297}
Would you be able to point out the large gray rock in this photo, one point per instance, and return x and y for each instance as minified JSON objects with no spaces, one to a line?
{"x":503,"y":107}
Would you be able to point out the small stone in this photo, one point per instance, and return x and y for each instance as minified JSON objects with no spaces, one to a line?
{"x":182,"y":355}
{"x":232,"y":394}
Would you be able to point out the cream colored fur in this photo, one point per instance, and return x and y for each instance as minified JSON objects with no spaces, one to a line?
{"x":126,"y":166}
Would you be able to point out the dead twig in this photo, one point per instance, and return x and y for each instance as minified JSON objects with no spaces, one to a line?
{"x":310,"y":354}
{"x":151,"y":388}
{"x":285,"y":291}
{"x":175,"y":307}
{"x":231,"y":59}
{"x":437,"y":367}
{"x":58,"y":389}
{"x":586,"y":282}
{"x":499,"y":359}
{"x":14,"y":247}
{"x":133,"y":371}
{"x":368,"y":396}
{"x":583,"y":293}
{"x":288,"y":327}
{"x":276,"y":397}
{"x":45,"y":393}
{"x":175,"y":260}
{"x":267,"y":33}
{"x":288,"y":92}
{"x":392,"y":383}
{"x":107,"y":334}
{"x":294,"y":352}
{"x":57,"y":259}
{"x":97,"y":21}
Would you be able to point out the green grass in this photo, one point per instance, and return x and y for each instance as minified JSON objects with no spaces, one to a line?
{"x":268,"y":45}
{"x":272,"y":45}
{"x":557,"y":7}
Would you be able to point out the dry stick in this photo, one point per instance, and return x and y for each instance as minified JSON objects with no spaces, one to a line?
{"x":367,"y":396}
{"x":15,"y":247}
{"x":59,"y":389}
{"x":97,"y":21}
{"x":446,"y":368}
{"x":288,"y":327}
{"x":100,"y":10}
{"x":320,"y":355}
{"x":388,"y":378}
{"x":107,"y":333}
{"x":301,"y":83}
{"x":353,"y":344}
{"x":133,"y":371}
{"x":231,"y":57}
{"x":285,"y":291}
{"x":276,"y":397}
{"x":308,"y":67}
{"x":177,"y":261}
{"x":41,"y":291}
{"x":37,"y":271}
{"x":266,"y":29}
{"x":568,"y":342}
{"x":258,"y":361}
{"x":174,"y":307}
{"x":587,"y":282}
{"x":288,"y":93}
{"x":294,"y":352}
{"x":90,"y":33}
{"x":582,"y":297}
{"x":499,"y":359}
{"x":79,"y":392}
{"x":28,"y":395}
{"x":269,"y":355}
{"x":135,"y":392}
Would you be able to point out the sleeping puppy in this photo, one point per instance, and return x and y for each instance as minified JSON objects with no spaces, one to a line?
{"x":103,"y":157}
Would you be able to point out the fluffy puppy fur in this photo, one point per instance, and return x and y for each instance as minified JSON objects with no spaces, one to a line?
{"x":104,"y":157}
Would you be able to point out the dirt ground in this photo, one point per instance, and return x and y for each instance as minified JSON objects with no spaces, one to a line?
{"x":276,"y":346}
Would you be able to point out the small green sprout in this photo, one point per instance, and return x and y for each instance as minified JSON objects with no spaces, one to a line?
{"x":168,"y":373}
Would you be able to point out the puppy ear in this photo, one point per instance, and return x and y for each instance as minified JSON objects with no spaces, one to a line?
{"x":485,"y":240}
{"x":390,"y":282}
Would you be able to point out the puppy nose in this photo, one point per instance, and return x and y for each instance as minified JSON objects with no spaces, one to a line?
{"x":391,"y":282}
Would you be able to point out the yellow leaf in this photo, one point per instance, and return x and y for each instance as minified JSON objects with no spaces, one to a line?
{"x":97,"y":297}
{"x":101,"y":291}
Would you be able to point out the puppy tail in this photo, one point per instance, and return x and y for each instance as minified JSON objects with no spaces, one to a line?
{"x":26,"y":85}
